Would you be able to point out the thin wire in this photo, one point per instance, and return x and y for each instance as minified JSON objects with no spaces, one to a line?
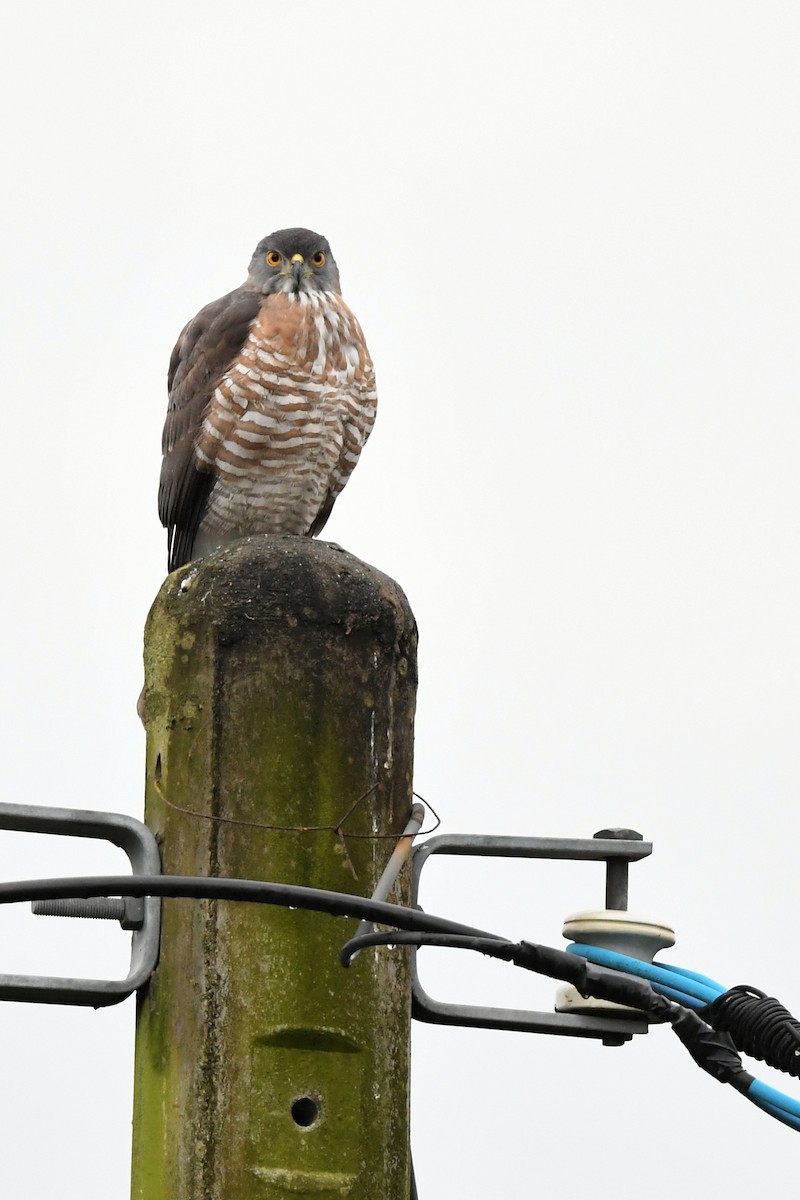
{"x":271,"y":828}
{"x":336,"y":829}
{"x":430,"y":808}
{"x":190,"y":812}
{"x":389,"y":836}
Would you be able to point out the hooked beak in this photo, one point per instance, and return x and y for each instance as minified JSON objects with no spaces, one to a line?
{"x":296,"y":265}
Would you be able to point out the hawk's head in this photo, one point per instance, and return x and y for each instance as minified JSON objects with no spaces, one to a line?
{"x":295,"y":261}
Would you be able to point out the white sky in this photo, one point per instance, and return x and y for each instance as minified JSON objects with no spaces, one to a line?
{"x":570,"y":233}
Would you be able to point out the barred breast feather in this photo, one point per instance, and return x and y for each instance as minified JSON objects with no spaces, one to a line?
{"x":271,"y":401}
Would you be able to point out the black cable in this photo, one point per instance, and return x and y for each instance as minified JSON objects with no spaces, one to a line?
{"x":711,"y":1049}
{"x":415,"y":927}
{"x":759,"y":1026}
{"x":398,"y":937}
{"x":588,"y":978}
{"x":254,"y":891}
{"x":753,"y":1016}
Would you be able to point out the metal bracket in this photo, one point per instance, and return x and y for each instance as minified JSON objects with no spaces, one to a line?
{"x":617,"y":848}
{"x":143,"y":918}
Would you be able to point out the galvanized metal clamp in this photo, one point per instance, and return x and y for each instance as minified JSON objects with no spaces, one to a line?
{"x":141,"y":916}
{"x":616,"y":847}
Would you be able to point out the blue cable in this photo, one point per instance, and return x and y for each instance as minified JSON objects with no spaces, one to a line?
{"x":697,"y":994}
{"x":778,"y":1113}
{"x":764,"y":1095}
{"x":679,"y":997}
{"x":694,"y":991}
{"x":709,"y":983}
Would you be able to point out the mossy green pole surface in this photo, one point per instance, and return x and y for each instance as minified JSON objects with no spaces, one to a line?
{"x":280,"y":680}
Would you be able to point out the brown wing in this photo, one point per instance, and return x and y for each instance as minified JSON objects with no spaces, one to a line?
{"x":321,"y":519}
{"x":204,"y":350}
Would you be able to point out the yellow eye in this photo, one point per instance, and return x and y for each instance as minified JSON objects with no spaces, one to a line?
{"x":319,"y":259}
{"x":274,"y":258}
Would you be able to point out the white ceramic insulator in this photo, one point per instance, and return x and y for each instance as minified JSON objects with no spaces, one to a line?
{"x":611,"y":929}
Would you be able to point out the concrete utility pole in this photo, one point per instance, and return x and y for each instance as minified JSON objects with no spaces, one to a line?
{"x":280,"y":679}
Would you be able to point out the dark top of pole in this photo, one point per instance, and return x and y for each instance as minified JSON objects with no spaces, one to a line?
{"x":291,"y":580}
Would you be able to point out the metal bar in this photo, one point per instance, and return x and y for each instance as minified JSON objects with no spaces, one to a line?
{"x":577,"y":849}
{"x":397,"y":861}
{"x":617,"y":884}
{"x":616,"y":852}
{"x":617,"y":869}
{"x":141,"y":848}
{"x":614,"y":1031}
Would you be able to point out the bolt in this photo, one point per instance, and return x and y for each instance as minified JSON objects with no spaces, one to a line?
{"x":128,"y":910}
{"x":617,"y":869}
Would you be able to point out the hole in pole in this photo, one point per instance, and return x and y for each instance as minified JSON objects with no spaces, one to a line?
{"x":305,"y":1111}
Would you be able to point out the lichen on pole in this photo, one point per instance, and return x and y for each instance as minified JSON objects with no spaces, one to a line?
{"x":280,"y":678}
